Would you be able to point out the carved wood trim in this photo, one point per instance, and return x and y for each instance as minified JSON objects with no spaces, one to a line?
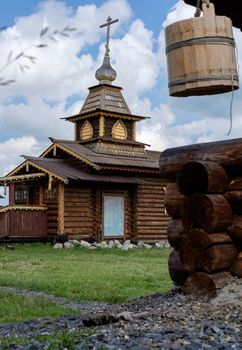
{"x":101,"y":126}
{"x":86,"y":131}
{"x":119,"y":131}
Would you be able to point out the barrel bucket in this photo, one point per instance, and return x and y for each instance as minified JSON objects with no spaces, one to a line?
{"x":201,"y":56}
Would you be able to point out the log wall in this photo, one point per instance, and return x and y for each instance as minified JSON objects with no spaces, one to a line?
{"x":151,"y":218}
{"x":205,"y":230}
{"x":52,"y":213}
{"x":79,"y":214}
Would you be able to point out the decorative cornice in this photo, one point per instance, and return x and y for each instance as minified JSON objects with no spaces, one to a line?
{"x":21,"y":177}
{"x":99,"y":112}
{"x":22,"y":207}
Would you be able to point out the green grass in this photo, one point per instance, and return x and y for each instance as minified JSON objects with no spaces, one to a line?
{"x":107,"y":275}
{"x":56,"y":341}
{"x":16,"y":308}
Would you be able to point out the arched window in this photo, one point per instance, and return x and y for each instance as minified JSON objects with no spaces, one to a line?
{"x":119,"y":131}
{"x":86,"y":131}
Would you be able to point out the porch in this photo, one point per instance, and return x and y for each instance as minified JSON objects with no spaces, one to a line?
{"x":19,"y":221}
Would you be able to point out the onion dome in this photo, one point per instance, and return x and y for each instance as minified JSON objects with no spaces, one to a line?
{"x":106,"y":74}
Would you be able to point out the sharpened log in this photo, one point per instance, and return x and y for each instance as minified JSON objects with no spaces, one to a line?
{"x":202,"y":177}
{"x":176,"y":269}
{"x":175,"y":232}
{"x":189,"y":255}
{"x":218,"y":257}
{"x":227,"y":153}
{"x":201,"y":240}
{"x":236,"y":269}
{"x":202,"y":283}
{"x":211,"y":212}
{"x":173,"y":200}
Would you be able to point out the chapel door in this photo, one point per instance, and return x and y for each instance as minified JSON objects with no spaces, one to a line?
{"x":113,"y":215}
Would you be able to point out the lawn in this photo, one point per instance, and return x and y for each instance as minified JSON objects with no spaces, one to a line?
{"x":107,"y":275}
{"x":16,"y":308}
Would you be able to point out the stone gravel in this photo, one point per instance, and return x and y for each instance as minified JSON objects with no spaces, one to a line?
{"x":160,"y":321}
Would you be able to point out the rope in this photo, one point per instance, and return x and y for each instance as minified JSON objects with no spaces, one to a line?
{"x":198,"y":9}
{"x":232,"y":95}
{"x":231,"y":107}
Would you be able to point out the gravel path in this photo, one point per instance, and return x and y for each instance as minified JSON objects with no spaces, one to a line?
{"x":160,"y":321}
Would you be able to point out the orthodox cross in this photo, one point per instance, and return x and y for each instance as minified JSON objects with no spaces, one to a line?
{"x":109,"y":22}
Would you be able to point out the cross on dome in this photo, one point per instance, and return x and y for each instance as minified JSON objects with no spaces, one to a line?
{"x":106,"y":74}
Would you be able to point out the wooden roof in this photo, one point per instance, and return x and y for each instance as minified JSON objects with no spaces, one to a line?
{"x":97,"y":160}
{"x":65,"y":172}
{"x":105,"y":97}
{"x":227,"y":8}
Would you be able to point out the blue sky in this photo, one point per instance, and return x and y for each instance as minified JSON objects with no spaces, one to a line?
{"x":152,"y":13}
{"x":56,"y":84}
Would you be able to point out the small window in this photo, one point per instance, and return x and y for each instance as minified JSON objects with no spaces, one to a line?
{"x":119,"y":131}
{"x":21,"y":196}
{"x":86,"y":131}
{"x":52,"y":194}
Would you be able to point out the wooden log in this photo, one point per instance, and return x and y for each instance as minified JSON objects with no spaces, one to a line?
{"x":211,"y":212}
{"x":173,"y":200}
{"x":175,"y":232}
{"x":176,"y":268}
{"x":236,"y":269}
{"x":189,"y":255}
{"x":235,"y":184}
{"x":201,"y":283}
{"x":235,"y":230}
{"x":201,"y":240}
{"x":218,"y":257}
{"x":235,"y":200}
{"x":202,"y":177}
{"x":227,"y":153}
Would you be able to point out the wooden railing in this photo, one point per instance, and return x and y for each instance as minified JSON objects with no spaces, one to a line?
{"x":23,"y":221}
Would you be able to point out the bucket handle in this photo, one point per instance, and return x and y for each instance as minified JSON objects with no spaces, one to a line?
{"x":208,"y":13}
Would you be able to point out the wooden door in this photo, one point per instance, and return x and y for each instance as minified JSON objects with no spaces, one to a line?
{"x":113,"y":215}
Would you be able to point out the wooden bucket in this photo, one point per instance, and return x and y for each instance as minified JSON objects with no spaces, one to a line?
{"x":201,"y":55}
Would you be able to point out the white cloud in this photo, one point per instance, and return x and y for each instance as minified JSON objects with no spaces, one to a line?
{"x":12,"y":149}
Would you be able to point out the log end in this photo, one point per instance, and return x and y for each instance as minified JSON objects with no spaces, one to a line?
{"x":200,"y":283}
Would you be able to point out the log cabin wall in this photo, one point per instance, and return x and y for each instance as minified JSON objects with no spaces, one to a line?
{"x":206,"y":225}
{"x":51,"y":201}
{"x":79,"y":214}
{"x":151,"y":218}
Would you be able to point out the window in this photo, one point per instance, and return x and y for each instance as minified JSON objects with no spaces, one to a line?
{"x":52,"y":194}
{"x":113,"y":215}
{"x":86,"y":131}
{"x":119,"y":131}
{"x":21,"y":196}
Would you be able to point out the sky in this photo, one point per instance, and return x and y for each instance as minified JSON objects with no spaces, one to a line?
{"x":51,"y":79}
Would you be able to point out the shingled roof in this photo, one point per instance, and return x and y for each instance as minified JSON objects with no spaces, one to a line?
{"x":68,"y":171}
{"x":105,"y":97}
{"x":80,"y":151}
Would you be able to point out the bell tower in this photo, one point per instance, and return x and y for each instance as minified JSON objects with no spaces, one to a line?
{"x":105,"y":123}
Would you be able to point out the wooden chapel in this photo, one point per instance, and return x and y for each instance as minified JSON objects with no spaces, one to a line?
{"x":101,"y":185}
